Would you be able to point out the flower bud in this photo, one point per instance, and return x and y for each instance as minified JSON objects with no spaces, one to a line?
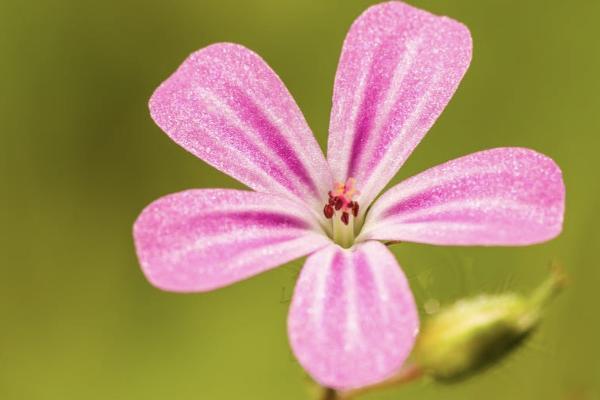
{"x":475,"y":333}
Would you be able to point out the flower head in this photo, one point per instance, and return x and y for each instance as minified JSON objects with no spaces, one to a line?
{"x":353,"y":320}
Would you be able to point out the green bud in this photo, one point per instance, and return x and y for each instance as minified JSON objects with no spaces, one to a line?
{"x":475,"y":333}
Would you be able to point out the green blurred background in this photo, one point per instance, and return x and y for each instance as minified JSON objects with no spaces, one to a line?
{"x":80,"y":157}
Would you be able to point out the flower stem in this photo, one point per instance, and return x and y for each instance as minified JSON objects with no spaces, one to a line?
{"x":549,"y":288}
{"x":407,"y":374}
{"x":329,"y":394}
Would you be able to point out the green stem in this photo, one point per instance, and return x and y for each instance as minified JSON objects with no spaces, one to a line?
{"x":549,"y":288}
{"x":406,"y":375}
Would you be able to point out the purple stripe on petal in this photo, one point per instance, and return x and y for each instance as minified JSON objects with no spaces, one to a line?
{"x":237,"y":253}
{"x":377,"y":81}
{"x":406,"y":122}
{"x":258,"y":219}
{"x":398,"y":69}
{"x":236,"y":139}
{"x":200,"y":240}
{"x":505,"y":196}
{"x":353,"y":319}
{"x":461,"y":188}
{"x":227,"y":107}
{"x":272,"y":137}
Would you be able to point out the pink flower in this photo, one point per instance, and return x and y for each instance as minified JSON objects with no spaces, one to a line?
{"x":353,"y":319}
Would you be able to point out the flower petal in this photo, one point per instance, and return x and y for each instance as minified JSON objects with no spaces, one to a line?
{"x":226,"y":106}
{"x":504,"y":196}
{"x":353,"y":319}
{"x":398,"y":69}
{"x":199,"y":240}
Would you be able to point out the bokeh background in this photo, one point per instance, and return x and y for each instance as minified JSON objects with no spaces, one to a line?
{"x":80,"y":157}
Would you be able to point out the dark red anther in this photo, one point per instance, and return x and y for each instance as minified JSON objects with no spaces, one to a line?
{"x":345,"y":218}
{"x":328,"y":211}
{"x":338,"y":203}
{"x":355,"y":209}
{"x":331,"y":201}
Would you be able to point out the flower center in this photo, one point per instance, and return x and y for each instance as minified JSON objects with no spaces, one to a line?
{"x":343,"y":210}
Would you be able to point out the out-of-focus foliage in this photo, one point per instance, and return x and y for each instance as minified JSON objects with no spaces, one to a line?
{"x":80,"y":157}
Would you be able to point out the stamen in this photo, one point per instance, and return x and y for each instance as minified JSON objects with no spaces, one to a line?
{"x":342,"y":209}
{"x":355,"y":209}
{"x":328,"y":211}
{"x":345,"y":218}
{"x":339,"y":203}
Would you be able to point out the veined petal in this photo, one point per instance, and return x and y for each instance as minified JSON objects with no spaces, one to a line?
{"x":353,"y":319}
{"x":198,"y":240}
{"x":398,"y":69}
{"x":226,"y":106}
{"x":504,"y":196}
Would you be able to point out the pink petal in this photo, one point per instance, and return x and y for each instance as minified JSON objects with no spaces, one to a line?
{"x":226,"y":106}
{"x":200,"y":240}
{"x":504,"y":196}
{"x":398,"y":69}
{"x":353,"y":319}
